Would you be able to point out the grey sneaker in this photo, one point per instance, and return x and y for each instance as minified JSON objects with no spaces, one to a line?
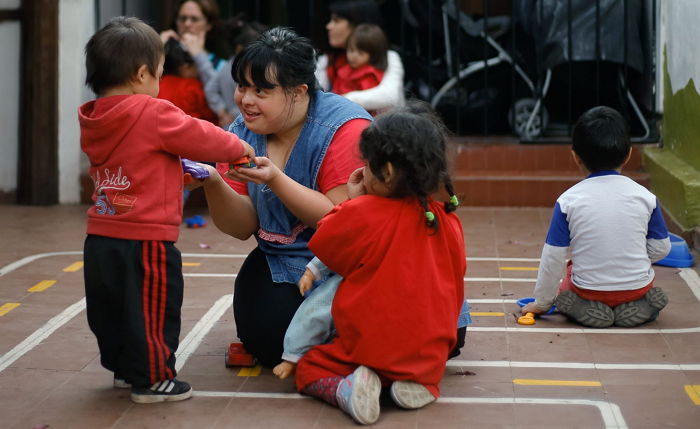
{"x":410,"y":395}
{"x":162,"y":391}
{"x":358,"y":395}
{"x":588,"y":313}
{"x":645,"y":309}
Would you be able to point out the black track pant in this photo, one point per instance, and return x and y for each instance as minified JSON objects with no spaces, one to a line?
{"x":263,"y":309}
{"x":133,"y":291}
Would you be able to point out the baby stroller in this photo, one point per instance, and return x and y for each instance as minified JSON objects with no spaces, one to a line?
{"x":603,"y":39}
{"x":463,"y":53}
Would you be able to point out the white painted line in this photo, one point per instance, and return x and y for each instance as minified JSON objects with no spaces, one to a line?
{"x":610,"y":413}
{"x":536,"y":330}
{"x":492,"y":301}
{"x":692,"y":280}
{"x":41,"y":334}
{"x":574,"y":365}
{"x":466,"y":279}
{"x":190,"y":343}
{"x":24,"y":261}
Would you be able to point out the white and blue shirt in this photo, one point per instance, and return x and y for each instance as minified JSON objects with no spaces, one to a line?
{"x":613,"y":228}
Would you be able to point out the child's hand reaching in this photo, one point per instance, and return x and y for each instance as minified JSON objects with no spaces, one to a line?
{"x":248,"y":149}
{"x":263,"y":173}
{"x":356,"y":185}
{"x":305,"y":282}
{"x":284,"y":369}
{"x":530,"y":307}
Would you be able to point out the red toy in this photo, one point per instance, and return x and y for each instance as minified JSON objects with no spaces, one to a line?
{"x":237,"y":355}
{"x":244,"y":162}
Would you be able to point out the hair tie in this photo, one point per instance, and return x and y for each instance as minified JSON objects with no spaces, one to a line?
{"x":454,"y":200}
{"x":430,"y":216}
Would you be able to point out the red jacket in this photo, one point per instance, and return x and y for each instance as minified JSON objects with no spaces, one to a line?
{"x":134,"y":149}
{"x":349,"y":79}
{"x":188,"y":95}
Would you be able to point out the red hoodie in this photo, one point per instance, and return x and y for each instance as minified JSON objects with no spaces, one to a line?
{"x":134,"y":149}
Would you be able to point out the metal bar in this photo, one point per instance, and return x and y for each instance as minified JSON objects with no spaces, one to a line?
{"x":486,"y":69}
{"x":97,"y":15}
{"x":597,"y":52}
{"x":430,"y":48}
{"x":625,"y":10}
{"x":123,"y":7}
{"x":653,"y":56}
{"x":459,"y":64}
{"x":513,"y":95}
{"x":570,"y":49}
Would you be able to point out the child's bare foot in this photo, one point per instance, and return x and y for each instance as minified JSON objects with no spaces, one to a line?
{"x":285,"y":369}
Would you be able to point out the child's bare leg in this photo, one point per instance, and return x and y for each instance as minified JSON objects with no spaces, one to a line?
{"x":284,"y":369}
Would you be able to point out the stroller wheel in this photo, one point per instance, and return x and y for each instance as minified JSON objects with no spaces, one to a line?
{"x":521,"y":113}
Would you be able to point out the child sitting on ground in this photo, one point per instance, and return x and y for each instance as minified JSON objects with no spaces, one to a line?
{"x":180,"y":85}
{"x":133,"y":271}
{"x":312,"y":323}
{"x":402,"y":258}
{"x":614,"y":229}
{"x":366,"y":53}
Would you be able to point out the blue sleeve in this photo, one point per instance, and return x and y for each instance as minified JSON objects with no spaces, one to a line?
{"x":657,"y":227}
{"x":558,"y":234}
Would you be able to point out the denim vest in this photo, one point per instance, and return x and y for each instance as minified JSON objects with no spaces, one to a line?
{"x":281,"y":236}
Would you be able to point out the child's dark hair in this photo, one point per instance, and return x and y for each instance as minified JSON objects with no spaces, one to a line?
{"x":371,"y":39}
{"x":240,"y":31}
{"x":175,"y":56}
{"x":414,"y":141}
{"x":114,"y":54}
{"x":357,"y":11}
{"x":280,"y":55}
{"x":601,"y":139}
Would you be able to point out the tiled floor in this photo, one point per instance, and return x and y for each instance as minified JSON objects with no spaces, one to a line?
{"x":552,"y":374}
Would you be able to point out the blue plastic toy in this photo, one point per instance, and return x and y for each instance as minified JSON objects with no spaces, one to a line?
{"x":523,"y":301}
{"x":195,"y":221}
{"x":679,"y":256}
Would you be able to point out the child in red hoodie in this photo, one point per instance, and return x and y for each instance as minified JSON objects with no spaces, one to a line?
{"x":133,"y":274}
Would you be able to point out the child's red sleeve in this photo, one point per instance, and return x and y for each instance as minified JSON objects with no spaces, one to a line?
{"x":192,"y":138}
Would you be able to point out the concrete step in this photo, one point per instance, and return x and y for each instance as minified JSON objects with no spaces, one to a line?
{"x":502,"y":172}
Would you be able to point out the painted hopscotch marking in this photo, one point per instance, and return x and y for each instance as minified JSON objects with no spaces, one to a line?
{"x":693,"y":391}
{"x":486,"y":313}
{"x":609,"y":412}
{"x":42,"y":286}
{"x":75,"y":266}
{"x":7,"y":307}
{"x":191,"y":264}
{"x":518,"y":268}
{"x":250,"y":372}
{"x":575,"y":365}
{"x":579,"y":383}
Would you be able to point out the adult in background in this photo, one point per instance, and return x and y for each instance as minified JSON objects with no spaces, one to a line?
{"x":192,"y":26}
{"x":309,"y":139}
{"x":345,"y":16}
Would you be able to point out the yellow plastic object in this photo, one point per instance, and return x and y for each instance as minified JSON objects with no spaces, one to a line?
{"x":527,"y":319}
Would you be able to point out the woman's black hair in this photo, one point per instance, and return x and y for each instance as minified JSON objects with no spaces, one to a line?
{"x":278,"y":57}
{"x":414,"y":140}
{"x":175,"y":56}
{"x":357,"y":11}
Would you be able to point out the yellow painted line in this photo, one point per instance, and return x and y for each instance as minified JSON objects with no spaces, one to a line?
{"x":6,"y":308}
{"x":75,"y":266}
{"x":42,"y":286}
{"x":518,"y":268}
{"x":250,"y":372}
{"x":486,"y":313}
{"x":693,"y":390}
{"x":526,"y":382}
{"x":191,"y":264}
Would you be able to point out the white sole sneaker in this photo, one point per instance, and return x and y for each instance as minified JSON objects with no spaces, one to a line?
{"x":410,"y":395}
{"x":162,"y":391}
{"x":359,"y":395}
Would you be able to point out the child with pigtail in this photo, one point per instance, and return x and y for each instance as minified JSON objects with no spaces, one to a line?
{"x":402,"y":260}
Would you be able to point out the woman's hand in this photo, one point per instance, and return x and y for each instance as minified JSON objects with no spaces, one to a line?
{"x":264,"y":172}
{"x":194,"y":42}
{"x":356,"y":185}
{"x":167,"y":35}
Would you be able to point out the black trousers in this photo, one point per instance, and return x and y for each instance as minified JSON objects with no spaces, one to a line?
{"x":133,"y":292}
{"x":263,"y":309}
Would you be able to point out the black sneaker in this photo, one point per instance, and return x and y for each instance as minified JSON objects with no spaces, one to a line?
{"x":162,"y":391}
{"x":645,"y":309}
{"x":588,"y":313}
